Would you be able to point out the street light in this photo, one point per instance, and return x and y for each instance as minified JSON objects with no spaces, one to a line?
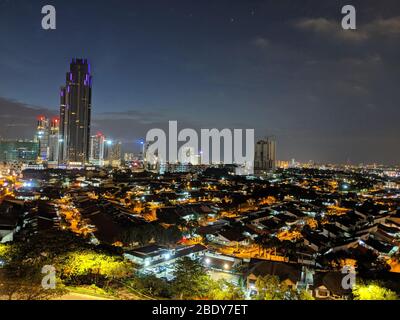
{"x":141,"y":142}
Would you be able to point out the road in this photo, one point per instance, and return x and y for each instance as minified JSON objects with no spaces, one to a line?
{"x":79,"y":296}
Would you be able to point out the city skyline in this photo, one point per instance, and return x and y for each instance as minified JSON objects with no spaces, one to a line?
{"x":267,"y":66}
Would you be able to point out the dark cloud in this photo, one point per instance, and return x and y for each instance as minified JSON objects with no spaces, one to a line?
{"x":389,"y":27}
{"x":18,"y":120}
{"x":261,"y":42}
{"x":132,"y":115}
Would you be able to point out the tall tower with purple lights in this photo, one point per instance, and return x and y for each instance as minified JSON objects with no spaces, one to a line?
{"x":75,"y":110}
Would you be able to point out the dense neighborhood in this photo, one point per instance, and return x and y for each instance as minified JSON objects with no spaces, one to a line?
{"x":296,"y":229}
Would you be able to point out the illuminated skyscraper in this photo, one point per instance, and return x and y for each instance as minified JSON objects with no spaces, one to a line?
{"x":97,"y":149}
{"x":54,"y":137}
{"x":75,"y":110}
{"x":265,"y":155}
{"x":112,"y":153}
{"x":42,"y":137}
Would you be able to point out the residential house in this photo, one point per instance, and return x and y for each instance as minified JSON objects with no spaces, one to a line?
{"x":289,"y":274}
{"x":151,"y":256}
{"x":231,"y":237}
{"x":328,"y":286}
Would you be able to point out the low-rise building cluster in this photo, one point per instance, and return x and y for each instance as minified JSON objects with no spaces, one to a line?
{"x":303,"y":225}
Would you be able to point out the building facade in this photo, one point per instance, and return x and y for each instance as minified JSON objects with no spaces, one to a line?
{"x":97,"y":143}
{"x":18,"y":151}
{"x":42,"y":137}
{"x":47,"y":136}
{"x":112,"y":153}
{"x":265,"y":155}
{"x":75,"y":113}
{"x":54,"y":137}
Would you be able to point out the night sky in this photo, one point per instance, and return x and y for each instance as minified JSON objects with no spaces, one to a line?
{"x":284,"y":68}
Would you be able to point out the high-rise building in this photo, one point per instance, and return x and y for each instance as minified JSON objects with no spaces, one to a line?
{"x":97,"y":149}
{"x":18,"y":151}
{"x":265,"y":155}
{"x":75,"y":111}
{"x":112,"y":153}
{"x":42,"y":137}
{"x":54,"y":140}
{"x":47,"y":137}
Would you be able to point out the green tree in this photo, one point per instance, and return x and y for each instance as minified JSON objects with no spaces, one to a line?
{"x":89,"y":267}
{"x":6,"y":252}
{"x":373,"y":291}
{"x":268,"y":288}
{"x":191,"y":279}
{"x":305,"y":295}
{"x":24,"y":282}
{"x":150,"y":285}
{"x":224,"y":290}
{"x":271,"y":288}
{"x":76,"y":262}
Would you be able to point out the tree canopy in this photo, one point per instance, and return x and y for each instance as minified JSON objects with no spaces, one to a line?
{"x":373,"y":291}
{"x":191,"y":279}
{"x":271,"y":288}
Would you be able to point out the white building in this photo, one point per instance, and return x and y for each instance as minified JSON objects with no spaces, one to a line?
{"x":97,"y":144}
